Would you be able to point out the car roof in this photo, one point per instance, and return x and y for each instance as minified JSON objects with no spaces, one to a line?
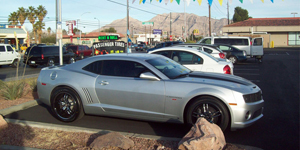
{"x":176,"y":48}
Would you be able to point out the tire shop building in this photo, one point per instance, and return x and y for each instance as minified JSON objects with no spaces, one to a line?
{"x":277,"y":32}
{"x":8,"y":34}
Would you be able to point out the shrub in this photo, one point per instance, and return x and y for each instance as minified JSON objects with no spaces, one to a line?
{"x":13,"y":90}
{"x":33,"y":85}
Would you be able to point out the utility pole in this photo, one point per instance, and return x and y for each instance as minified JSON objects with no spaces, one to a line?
{"x":184,"y":23}
{"x":127,"y":28}
{"x":209,"y":21}
{"x":170,"y":24}
{"x":228,"y":11}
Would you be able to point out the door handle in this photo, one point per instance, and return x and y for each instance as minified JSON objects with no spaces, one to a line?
{"x":103,"y":83}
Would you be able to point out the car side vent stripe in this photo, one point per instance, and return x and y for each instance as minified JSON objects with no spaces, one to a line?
{"x":87,"y":95}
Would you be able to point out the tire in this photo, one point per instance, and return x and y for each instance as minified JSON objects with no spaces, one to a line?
{"x":66,"y":105}
{"x":232,"y":59}
{"x":50,"y":62}
{"x":217,"y":112}
{"x":15,"y":63}
{"x":72,"y":60}
{"x":81,"y":56}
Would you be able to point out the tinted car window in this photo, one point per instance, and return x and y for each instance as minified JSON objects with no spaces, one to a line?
{"x":50,"y":50}
{"x":95,"y":67}
{"x":164,"y":53}
{"x":257,"y":42}
{"x":207,"y":50}
{"x":185,"y":58}
{"x":34,"y":51}
{"x":232,"y":41}
{"x":9,"y":49}
{"x":224,"y":48}
{"x":122,"y":68}
{"x":2,"y":49}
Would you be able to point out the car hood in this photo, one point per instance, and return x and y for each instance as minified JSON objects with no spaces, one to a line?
{"x":217,"y":79}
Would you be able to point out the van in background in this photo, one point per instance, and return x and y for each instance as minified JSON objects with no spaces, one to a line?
{"x":252,"y":46}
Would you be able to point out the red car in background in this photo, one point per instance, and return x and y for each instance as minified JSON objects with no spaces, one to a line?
{"x":81,"y":51}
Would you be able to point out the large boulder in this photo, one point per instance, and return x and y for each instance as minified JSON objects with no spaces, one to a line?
{"x":203,"y":135}
{"x":113,"y":139}
{"x":3,"y":123}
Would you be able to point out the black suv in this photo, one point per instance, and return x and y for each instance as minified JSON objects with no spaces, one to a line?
{"x":46,"y":55}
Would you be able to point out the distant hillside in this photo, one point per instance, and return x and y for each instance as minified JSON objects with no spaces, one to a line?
{"x":162,"y":21}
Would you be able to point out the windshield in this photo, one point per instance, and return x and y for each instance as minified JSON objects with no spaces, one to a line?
{"x":169,"y":67}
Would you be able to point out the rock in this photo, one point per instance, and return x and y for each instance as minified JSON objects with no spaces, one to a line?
{"x":3,"y":123}
{"x":203,"y":135}
{"x":113,"y":139}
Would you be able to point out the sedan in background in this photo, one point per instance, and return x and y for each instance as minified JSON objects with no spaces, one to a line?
{"x":141,"y":47}
{"x":233,"y":54}
{"x":148,"y":87}
{"x":196,"y":60}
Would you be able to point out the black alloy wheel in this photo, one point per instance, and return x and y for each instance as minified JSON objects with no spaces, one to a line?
{"x":213,"y":110}
{"x":66,"y":105}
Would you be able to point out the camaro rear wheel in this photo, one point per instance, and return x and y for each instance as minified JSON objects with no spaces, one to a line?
{"x":66,"y":105}
{"x":209,"y":108}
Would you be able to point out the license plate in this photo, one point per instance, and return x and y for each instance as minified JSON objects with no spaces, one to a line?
{"x":32,"y":62}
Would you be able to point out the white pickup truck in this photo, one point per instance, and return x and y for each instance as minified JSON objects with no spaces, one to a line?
{"x":8,"y":56}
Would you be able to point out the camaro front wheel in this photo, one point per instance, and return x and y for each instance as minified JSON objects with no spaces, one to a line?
{"x":66,"y":105}
{"x":209,"y":108}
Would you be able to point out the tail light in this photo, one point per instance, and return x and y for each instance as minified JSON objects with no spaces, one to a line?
{"x":222,"y":55}
{"x":250,"y":43}
{"x":77,"y":52}
{"x":42,"y":56}
{"x":227,"y":70}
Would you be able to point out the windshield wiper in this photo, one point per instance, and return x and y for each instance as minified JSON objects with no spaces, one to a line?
{"x":181,"y":75}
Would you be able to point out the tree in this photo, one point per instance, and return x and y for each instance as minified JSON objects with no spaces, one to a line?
{"x":13,"y":18}
{"x":22,"y":15}
{"x":41,"y":13}
{"x":76,"y":30}
{"x":240,"y":14}
{"x":49,"y":30}
{"x":39,"y":26}
{"x":110,"y":30}
{"x":32,"y":12}
{"x":64,"y":32}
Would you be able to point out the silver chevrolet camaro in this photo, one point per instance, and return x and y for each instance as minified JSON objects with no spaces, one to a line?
{"x":148,"y":87}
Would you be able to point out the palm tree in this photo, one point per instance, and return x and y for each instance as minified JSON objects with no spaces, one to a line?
{"x":49,"y":30}
{"x":32,"y":17}
{"x":41,"y":13}
{"x":22,"y":13}
{"x":39,"y":27}
{"x":13,"y":18}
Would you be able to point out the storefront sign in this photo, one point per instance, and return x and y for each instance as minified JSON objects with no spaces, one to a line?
{"x":109,"y":47}
{"x":157,"y":31}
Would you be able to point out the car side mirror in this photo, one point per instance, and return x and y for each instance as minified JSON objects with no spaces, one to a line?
{"x":149,"y":76}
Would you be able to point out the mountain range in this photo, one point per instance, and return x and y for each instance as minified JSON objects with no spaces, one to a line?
{"x":162,"y":22}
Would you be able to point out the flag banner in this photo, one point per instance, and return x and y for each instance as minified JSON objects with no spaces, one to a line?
{"x":230,"y":1}
{"x":210,"y":2}
{"x":160,"y":1}
{"x":263,"y":1}
{"x":188,"y":2}
{"x":251,"y":1}
{"x":150,"y":1}
{"x":133,"y":1}
{"x":166,"y":2}
{"x":144,"y":1}
{"x":241,"y":1}
{"x":272,"y":1}
{"x":221,"y":2}
{"x":199,"y":1}
{"x":171,"y":1}
{"x":178,"y":2}
{"x":141,"y":1}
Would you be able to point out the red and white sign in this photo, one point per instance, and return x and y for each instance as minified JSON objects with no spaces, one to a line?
{"x":171,"y":38}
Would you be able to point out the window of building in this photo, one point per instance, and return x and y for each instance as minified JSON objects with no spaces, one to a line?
{"x":294,"y":38}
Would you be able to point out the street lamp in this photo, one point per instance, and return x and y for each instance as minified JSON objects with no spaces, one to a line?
{"x":78,"y":23}
{"x":98,"y":24}
{"x":294,"y":13}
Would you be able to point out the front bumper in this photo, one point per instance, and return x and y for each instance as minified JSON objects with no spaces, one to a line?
{"x":246,"y":114}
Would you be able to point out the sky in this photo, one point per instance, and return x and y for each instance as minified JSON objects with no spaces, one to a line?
{"x":94,"y":13}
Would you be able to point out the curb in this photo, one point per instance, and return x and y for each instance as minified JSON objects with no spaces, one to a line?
{"x":19,"y":107}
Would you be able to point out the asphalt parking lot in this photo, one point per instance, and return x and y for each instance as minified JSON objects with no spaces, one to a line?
{"x":277,"y":76}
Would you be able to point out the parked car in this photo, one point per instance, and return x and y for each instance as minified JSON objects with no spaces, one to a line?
{"x":164,"y":44}
{"x":46,"y":55}
{"x":141,"y":47}
{"x":210,"y":49}
{"x":233,"y":54}
{"x":81,"y":51}
{"x":252,"y":46}
{"x":195,"y":60}
{"x":8,"y":56}
{"x":115,"y":85}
